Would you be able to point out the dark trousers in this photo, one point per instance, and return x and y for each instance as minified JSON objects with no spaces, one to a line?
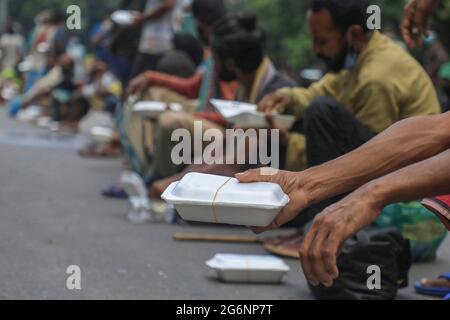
{"x":331,"y":131}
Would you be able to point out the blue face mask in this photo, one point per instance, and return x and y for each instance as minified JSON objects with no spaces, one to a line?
{"x":351,"y":60}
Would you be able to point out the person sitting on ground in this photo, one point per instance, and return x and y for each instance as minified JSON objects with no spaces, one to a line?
{"x":203,"y":86}
{"x":372,"y":84}
{"x":407,"y":161}
{"x":238,"y":51}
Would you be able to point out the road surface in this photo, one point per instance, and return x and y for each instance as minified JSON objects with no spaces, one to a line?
{"x":52,"y":216}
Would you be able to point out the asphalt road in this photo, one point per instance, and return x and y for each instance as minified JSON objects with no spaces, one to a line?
{"x":52,"y":216}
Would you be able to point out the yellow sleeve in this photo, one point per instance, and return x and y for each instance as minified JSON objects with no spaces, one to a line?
{"x":377,"y":106}
{"x":301,"y":98}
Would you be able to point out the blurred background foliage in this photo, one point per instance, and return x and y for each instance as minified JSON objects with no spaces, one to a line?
{"x":284,"y":21}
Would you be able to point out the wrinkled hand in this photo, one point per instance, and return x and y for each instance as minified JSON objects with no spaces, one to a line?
{"x":330,"y":229}
{"x":275,"y":102}
{"x":291,"y":183}
{"x":416,"y":21}
{"x":137,"y":85}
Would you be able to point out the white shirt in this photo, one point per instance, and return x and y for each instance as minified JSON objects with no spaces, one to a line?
{"x":157,"y":34}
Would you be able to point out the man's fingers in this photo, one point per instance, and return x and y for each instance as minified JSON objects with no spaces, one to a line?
{"x":305,"y":258}
{"x":333,"y":245}
{"x":317,"y":257}
{"x":280,"y":105}
{"x":270,"y":103}
{"x":406,"y":25}
{"x":254,"y":175}
{"x":417,"y":26}
{"x":283,"y":217}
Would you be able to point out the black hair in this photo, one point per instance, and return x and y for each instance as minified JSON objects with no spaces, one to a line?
{"x":176,"y":63}
{"x":345,"y":13}
{"x":57,"y":16}
{"x":239,"y":37}
{"x":208,"y":11}
{"x":190,"y":45}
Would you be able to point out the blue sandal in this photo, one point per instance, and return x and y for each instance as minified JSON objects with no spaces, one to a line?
{"x":434,"y":291}
{"x":115,"y":192}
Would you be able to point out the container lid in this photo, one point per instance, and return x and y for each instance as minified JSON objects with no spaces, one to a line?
{"x":229,"y":109}
{"x":247,"y":114}
{"x":156,"y":106}
{"x":223,"y":261}
{"x":205,"y":189}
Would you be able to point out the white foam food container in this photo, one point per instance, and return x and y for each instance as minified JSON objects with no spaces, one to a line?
{"x":248,"y":268}
{"x":246,"y":115}
{"x":101,"y":134}
{"x":123,"y":17}
{"x":155,"y":108}
{"x":216,"y":199}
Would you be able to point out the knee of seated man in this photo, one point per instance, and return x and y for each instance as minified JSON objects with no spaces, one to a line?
{"x":170,"y":120}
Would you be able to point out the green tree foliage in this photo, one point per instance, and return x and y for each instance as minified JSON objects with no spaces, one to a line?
{"x":24,"y":11}
{"x":289,"y":42}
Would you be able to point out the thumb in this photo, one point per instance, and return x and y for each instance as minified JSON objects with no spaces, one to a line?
{"x":254,"y":175}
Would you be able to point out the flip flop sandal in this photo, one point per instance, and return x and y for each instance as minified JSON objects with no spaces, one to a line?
{"x":115,"y":192}
{"x":283,"y":238}
{"x":287,"y":249}
{"x":96,"y":152}
{"x":434,"y":291}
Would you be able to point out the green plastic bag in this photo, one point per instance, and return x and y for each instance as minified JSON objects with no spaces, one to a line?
{"x":421,"y":227}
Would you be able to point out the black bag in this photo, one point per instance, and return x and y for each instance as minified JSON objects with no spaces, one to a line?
{"x":385,"y":248}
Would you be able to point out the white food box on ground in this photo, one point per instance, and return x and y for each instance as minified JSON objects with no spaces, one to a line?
{"x":246,"y":115}
{"x":248,"y":268}
{"x":155,"y":108}
{"x":216,"y":199}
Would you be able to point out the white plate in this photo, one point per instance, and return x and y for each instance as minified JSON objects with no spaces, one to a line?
{"x":216,"y":199}
{"x":155,"y":108}
{"x":123,"y":17}
{"x":101,"y":134}
{"x":248,"y":268}
{"x":246,"y":115}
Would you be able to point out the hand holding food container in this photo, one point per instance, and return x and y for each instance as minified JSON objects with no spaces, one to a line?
{"x":246,"y":115}
{"x":238,"y":268}
{"x":216,"y":199}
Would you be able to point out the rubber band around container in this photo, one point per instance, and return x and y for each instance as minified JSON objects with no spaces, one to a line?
{"x":214,"y":199}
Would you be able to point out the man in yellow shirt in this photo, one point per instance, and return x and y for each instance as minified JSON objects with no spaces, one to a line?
{"x":372,"y":84}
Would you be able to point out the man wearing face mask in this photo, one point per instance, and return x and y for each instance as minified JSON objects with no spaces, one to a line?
{"x":372,"y":83}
